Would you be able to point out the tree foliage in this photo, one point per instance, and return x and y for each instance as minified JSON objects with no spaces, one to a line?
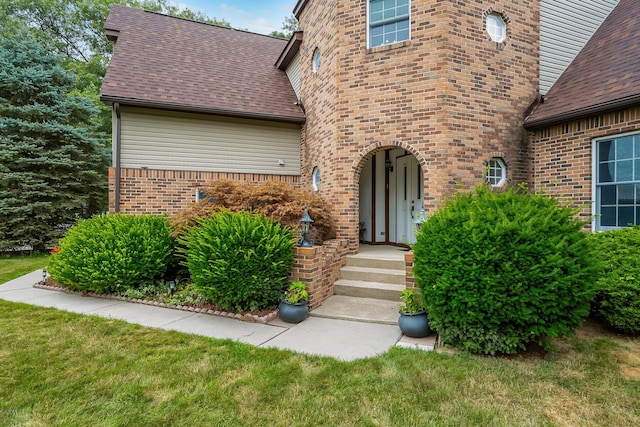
{"x":52,"y":168}
{"x":75,"y":30}
{"x":76,"y":27}
{"x":289,"y":26}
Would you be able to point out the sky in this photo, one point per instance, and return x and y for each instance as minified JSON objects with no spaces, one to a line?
{"x":258,"y":16}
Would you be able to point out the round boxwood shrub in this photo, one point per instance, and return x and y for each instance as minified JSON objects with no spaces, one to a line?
{"x":501,"y":270}
{"x":111,"y":253}
{"x":618,"y":286}
{"x":239,"y":260}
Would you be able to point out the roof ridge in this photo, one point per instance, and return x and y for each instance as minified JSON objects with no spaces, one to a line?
{"x":204,"y":23}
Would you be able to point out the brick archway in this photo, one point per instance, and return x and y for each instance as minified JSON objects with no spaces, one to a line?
{"x":368,"y":152}
{"x":367,"y":227}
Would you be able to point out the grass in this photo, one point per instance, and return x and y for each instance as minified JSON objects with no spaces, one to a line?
{"x":13,"y":266}
{"x":61,"y":368}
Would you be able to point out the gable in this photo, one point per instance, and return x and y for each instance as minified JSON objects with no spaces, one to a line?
{"x":604,"y":76}
{"x":171,"y":63}
{"x":565,"y":27}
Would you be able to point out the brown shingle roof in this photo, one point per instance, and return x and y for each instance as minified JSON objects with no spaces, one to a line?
{"x":172,"y":63}
{"x":604,"y":76}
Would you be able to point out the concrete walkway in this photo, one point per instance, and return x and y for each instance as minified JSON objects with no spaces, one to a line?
{"x":340,"y":339}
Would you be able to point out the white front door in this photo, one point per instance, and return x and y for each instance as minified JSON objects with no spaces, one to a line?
{"x":409,"y":185}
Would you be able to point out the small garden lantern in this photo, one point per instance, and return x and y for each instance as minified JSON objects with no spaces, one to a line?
{"x":44,"y":274}
{"x":172,"y":286}
{"x":305,"y":225}
{"x":420,"y":219}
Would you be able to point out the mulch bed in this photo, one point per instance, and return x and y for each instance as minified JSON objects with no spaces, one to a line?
{"x":263,"y":316}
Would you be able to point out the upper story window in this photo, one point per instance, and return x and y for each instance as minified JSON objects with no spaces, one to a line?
{"x":316,"y":60}
{"x":496,"y":27}
{"x":617,"y":188}
{"x":496,"y":172}
{"x":388,"y":21}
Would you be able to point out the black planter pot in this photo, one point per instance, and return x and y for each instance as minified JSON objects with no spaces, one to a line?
{"x":414,"y":325}
{"x":293,"y":313}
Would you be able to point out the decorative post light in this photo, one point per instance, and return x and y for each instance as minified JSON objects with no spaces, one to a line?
{"x":420,"y":219}
{"x":172,"y":286}
{"x":305,"y":225}
{"x":44,"y":275}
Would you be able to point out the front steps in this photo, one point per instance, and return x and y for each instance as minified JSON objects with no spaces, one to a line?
{"x":368,"y":289}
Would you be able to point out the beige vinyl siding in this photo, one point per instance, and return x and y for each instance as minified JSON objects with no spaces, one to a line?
{"x":293,"y":72}
{"x":565,"y":27}
{"x":192,"y":142}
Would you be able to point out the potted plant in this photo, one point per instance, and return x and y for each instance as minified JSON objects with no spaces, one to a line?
{"x":413,"y":320}
{"x":294,"y":306}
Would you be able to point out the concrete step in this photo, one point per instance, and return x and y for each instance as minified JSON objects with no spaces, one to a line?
{"x":376,"y":290}
{"x":366,"y":274}
{"x":358,"y":309}
{"x":360,"y":261}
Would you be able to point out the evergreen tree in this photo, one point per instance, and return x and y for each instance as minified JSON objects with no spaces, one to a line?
{"x":52,"y":166}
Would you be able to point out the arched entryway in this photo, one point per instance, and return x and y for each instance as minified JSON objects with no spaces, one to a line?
{"x":391,"y":196}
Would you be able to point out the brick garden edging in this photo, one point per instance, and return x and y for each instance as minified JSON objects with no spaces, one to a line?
{"x":247,"y":317}
{"x":317,"y":266}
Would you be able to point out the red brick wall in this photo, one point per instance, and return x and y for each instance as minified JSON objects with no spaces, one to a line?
{"x":162,"y":191}
{"x":449,"y":95}
{"x":562,"y":155}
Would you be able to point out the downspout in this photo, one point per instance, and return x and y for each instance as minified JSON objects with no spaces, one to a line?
{"x":117,"y":152}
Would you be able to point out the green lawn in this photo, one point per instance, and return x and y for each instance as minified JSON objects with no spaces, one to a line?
{"x":60,"y":368}
{"x":12,"y":266}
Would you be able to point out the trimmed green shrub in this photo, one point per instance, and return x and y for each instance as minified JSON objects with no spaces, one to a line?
{"x":111,"y":253}
{"x":501,"y":270}
{"x":618,"y":287}
{"x":238,"y":260}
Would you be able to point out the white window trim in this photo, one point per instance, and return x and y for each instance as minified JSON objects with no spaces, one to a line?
{"x":594,"y":178}
{"x":486,"y":26}
{"x":503,"y":165}
{"x":199,"y":194}
{"x":369,"y":29}
{"x":316,"y":66}
{"x":316,"y":180}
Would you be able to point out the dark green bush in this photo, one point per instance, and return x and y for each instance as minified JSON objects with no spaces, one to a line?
{"x":618,"y":287}
{"x":501,"y":270}
{"x":111,"y":253}
{"x":238,"y":260}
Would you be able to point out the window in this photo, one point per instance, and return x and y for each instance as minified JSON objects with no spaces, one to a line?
{"x":315,"y":178}
{"x":496,"y":27}
{"x":316,"y":60}
{"x":496,"y":172}
{"x":388,"y":21}
{"x":617,"y":181}
{"x":202,"y":196}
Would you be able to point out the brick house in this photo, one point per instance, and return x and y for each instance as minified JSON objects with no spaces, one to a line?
{"x":383,"y":107}
{"x":585,"y":132}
